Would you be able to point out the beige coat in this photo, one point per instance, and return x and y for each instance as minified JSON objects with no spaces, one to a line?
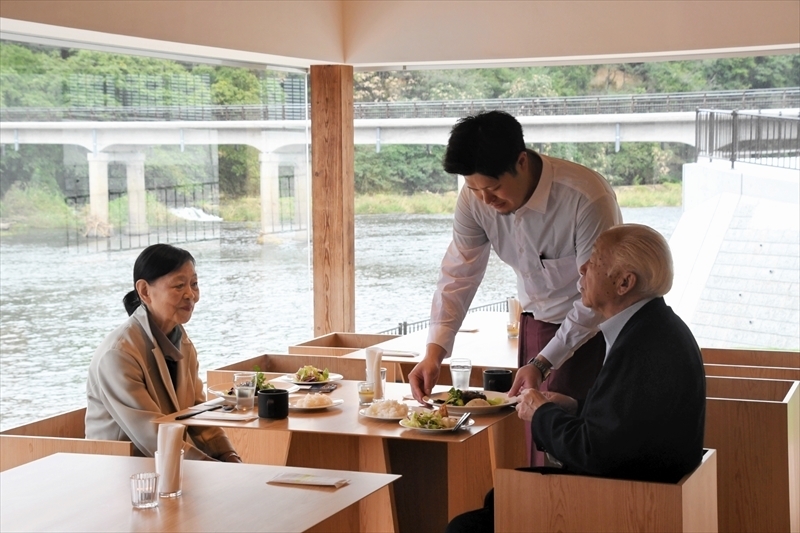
{"x":129,"y":386}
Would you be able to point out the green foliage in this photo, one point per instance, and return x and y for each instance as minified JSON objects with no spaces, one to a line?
{"x":157,"y":213}
{"x":666,"y":195}
{"x":418,"y":204}
{"x":35,"y":206}
{"x":406,"y":169}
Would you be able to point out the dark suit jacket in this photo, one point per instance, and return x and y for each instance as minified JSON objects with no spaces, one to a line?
{"x":644,"y":416}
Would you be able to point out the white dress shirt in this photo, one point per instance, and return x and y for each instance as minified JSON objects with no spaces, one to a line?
{"x":614,"y":325}
{"x":545,"y":241}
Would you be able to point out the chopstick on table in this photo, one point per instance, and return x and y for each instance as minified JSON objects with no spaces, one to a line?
{"x":193,"y":413}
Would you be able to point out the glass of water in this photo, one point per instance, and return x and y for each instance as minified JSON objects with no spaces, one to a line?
{"x":244,"y":383}
{"x":460,"y":369}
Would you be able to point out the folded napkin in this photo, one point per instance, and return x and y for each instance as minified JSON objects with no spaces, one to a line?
{"x":168,"y":457}
{"x":217,"y":415}
{"x":400,"y":353}
{"x":308,"y":479}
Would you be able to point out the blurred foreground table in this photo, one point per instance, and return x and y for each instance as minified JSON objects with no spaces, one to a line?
{"x":75,"y":492}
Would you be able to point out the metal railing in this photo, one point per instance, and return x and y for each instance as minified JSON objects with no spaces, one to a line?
{"x":748,"y":137}
{"x":404,"y":328}
{"x":175,"y":214}
{"x":572,"y":105}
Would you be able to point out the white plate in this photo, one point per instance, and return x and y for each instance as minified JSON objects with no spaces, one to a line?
{"x":221,"y":391}
{"x":466,"y":424}
{"x":363,"y":412}
{"x":293,"y":405}
{"x":475,"y":410}
{"x":292,"y":379}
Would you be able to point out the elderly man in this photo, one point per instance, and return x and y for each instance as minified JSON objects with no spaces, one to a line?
{"x":644,"y":416}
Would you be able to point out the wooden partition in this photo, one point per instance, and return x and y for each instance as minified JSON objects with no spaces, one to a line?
{"x":757,"y":372}
{"x":354,"y":369}
{"x":528,"y":501}
{"x":338,"y":343}
{"x":59,"y":433}
{"x":755,"y":426}
{"x":759,"y":358}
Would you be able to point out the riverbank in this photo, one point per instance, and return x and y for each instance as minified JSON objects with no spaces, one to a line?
{"x":663,"y":195}
{"x":39,"y":209}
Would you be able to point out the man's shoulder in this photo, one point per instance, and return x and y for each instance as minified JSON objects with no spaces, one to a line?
{"x":569,"y":177}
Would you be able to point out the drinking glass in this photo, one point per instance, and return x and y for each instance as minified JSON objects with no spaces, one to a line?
{"x":460,"y":370}
{"x":366,"y":392}
{"x":245,"y":385}
{"x":144,"y":490}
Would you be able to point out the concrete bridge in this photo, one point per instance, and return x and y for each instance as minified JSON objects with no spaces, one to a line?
{"x":121,"y":134}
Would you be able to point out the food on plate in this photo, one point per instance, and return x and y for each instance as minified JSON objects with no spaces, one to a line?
{"x":460,"y":398}
{"x":261,"y":380}
{"x":313,"y":400}
{"x":311,"y":374}
{"x":387,"y":409}
{"x":478,"y":402}
{"x":429,"y":420}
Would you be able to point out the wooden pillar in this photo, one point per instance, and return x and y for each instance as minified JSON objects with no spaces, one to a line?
{"x":332,"y":191}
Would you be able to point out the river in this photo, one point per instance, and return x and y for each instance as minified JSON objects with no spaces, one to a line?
{"x":57,"y":304}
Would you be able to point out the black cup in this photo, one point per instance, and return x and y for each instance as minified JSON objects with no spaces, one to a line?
{"x":273,"y":403}
{"x":498,"y":380}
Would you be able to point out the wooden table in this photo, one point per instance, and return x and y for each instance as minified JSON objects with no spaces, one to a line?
{"x":76,"y":492}
{"x":488,"y":347}
{"x":443,"y":474}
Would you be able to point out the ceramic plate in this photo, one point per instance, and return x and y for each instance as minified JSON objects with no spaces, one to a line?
{"x":468,"y":423}
{"x":363,"y":412}
{"x":291,"y":378}
{"x":293,"y":405}
{"x":475,"y":410}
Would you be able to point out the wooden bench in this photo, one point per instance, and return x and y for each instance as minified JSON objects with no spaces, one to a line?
{"x":59,"y":433}
{"x":754,"y":425}
{"x":528,"y":501}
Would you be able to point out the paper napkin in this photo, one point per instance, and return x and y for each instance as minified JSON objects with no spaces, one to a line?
{"x":308,"y":479}
{"x":233,"y":417}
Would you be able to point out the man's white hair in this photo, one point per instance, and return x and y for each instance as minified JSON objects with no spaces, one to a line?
{"x":642,"y":250}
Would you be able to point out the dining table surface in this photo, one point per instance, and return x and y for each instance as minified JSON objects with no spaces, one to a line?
{"x":443,"y":473}
{"x":85,"y":492}
{"x":483,"y":339}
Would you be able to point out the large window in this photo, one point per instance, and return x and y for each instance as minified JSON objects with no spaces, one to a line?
{"x":734,"y":232}
{"x":104,"y":154}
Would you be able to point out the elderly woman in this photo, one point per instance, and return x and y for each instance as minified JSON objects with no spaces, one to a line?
{"x":147,"y":367}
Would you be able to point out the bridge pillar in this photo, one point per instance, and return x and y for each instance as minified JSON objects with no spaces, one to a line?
{"x":137,"y":194}
{"x":98,"y":188}
{"x":270,"y":193}
{"x":301,"y":189}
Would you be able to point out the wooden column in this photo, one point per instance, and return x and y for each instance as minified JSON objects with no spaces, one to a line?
{"x":332,"y":191}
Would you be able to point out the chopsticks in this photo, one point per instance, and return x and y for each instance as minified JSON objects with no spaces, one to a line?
{"x":193,"y":413}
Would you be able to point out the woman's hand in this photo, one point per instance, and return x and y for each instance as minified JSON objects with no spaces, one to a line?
{"x":230,"y":457}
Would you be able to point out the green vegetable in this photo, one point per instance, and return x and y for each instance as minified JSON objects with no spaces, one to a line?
{"x":261,"y":380}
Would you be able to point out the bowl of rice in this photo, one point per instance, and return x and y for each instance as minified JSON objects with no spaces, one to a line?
{"x":313,"y":401}
{"x":386,"y":410}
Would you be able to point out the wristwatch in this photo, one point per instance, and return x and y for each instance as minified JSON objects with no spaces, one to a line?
{"x":543,"y":368}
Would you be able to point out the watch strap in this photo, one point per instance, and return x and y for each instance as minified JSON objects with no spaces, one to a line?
{"x":544,"y":369}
